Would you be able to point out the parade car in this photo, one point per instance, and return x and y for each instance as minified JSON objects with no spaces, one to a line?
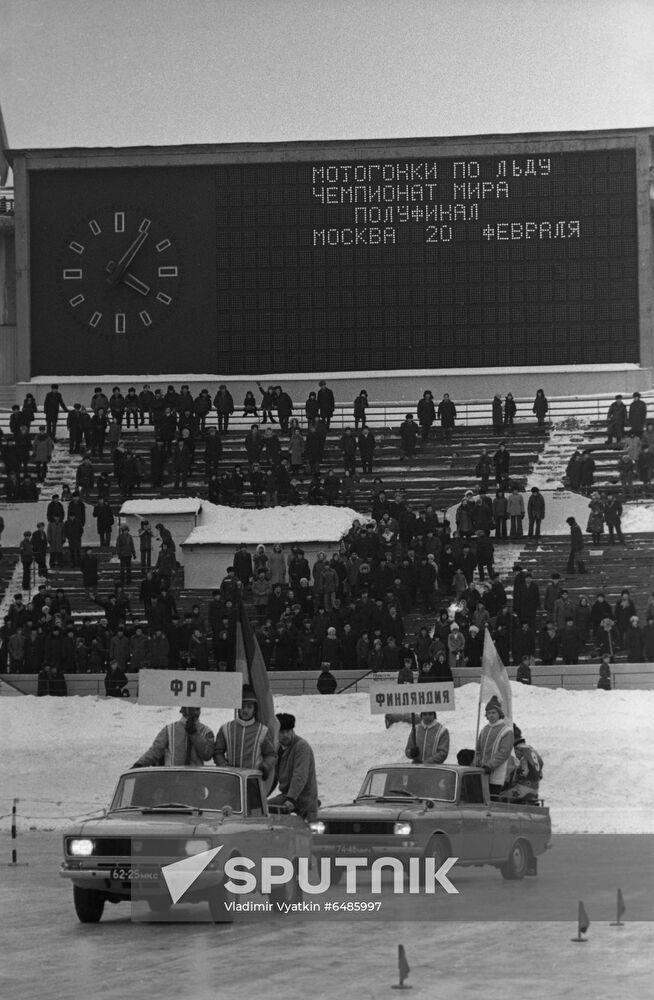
{"x":439,"y":811}
{"x":161,"y":815}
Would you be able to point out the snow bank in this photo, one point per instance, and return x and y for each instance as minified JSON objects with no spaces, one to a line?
{"x":178,"y":505}
{"x":61,"y":757}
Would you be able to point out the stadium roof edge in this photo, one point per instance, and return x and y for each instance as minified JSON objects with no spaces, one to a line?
{"x":324,"y":144}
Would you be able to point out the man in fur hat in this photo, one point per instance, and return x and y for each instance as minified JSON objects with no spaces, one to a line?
{"x":525,"y":777}
{"x":429,"y":741}
{"x":494,"y":746}
{"x":296,"y":772}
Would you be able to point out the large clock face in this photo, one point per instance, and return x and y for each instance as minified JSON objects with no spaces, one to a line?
{"x":119,"y":271}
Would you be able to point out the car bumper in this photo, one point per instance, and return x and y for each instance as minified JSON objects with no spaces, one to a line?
{"x":383,"y":847}
{"x":150,"y":880}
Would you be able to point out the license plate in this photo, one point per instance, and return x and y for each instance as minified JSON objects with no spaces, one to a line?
{"x":352,"y":849}
{"x":134,"y":875}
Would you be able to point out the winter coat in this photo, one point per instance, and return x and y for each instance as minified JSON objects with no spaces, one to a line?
{"x":56,"y":536}
{"x":174,"y":747}
{"x":43,"y":448}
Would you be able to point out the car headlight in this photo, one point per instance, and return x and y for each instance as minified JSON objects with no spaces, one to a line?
{"x":402,"y":829}
{"x":317,"y":827}
{"x":196,"y":846}
{"x":82,"y":848}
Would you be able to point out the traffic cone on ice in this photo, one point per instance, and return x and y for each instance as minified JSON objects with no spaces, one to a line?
{"x":403,"y":969}
{"x":620,"y":908}
{"x":583,"y":923}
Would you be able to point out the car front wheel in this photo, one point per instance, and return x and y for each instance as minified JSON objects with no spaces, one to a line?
{"x":89,"y":904}
{"x":517,"y":862}
{"x":438,"y":849}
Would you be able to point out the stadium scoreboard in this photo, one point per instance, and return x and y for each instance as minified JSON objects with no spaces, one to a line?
{"x":366,"y":262}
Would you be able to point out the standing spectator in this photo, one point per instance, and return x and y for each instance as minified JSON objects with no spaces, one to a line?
{"x":89,"y":568}
{"x":26,"y":558}
{"x":510,"y":410}
{"x":516,"y":510}
{"x":498,"y":414}
{"x":30,"y":409}
{"x":549,"y":644}
{"x":56,"y":542}
{"x":224,"y":403}
{"x":582,"y":619}
{"x":535,"y":512}
{"x":576,"y":548}
{"x":104,"y":517}
{"x":595,"y":525}
{"x":326,"y":402}
{"x":267,"y":403}
{"x":98,"y":432}
{"x":409,"y":435}
{"x":500,"y":514}
{"x":126,"y":552}
{"x":43,"y":448}
{"x":483,"y":470}
{"x":349,"y":450}
{"x":145,"y":546}
{"x":132,"y":407}
{"x":637,"y":415}
{"x":570,"y":643}
{"x":366,"y":449}
{"x":446,"y":413}
{"x":52,"y":404}
{"x":296,"y":450}
{"x":624,"y":611}
{"x":586,"y":472}
{"x":145,"y":398}
{"x":284,"y":405}
{"x":616,"y":419}
{"x":73,"y":531}
{"x":613,"y":518}
{"x":501,"y":462}
{"x":39,"y":541}
{"x":360,"y":407}
{"x":181,"y":460}
{"x":426,"y":413}
{"x":243,"y":565}
{"x":485,"y":554}
{"x":540,"y":407}
{"x":213,"y":449}
{"x":573,"y":471}
{"x":117,"y":406}
{"x":604,"y":680}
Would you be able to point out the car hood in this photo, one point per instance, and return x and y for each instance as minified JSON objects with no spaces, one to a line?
{"x":390,"y":809}
{"x":137,"y":824}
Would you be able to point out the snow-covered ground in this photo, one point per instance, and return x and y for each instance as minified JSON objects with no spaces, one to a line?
{"x":61,"y":757}
{"x":303,"y":523}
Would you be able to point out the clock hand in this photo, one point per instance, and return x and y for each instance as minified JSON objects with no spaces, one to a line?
{"x":116,"y":271}
{"x":132,"y":281}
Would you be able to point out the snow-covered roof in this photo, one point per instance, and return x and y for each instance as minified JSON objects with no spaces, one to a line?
{"x":233,"y":525}
{"x":180,"y":505}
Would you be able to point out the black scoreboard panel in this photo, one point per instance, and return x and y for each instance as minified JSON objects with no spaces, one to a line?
{"x":367,"y":264}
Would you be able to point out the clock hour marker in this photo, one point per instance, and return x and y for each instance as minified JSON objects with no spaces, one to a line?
{"x":95,"y":227}
{"x":162,"y":297}
{"x":76,"y":247}
{"x":119,"y":222}
{"x":76,"y":300}
{"x":167,"y":272}
{"x":145,"y":318}
{"x":145,"y":225}
{"x":163,"y":245}
{"x":72,"y":274}
{"x":95,"y":319}
{"x":120,"y":323}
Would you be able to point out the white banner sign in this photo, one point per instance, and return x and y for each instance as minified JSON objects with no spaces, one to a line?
{"x":386,"y":697}
{"x":194,"y":688}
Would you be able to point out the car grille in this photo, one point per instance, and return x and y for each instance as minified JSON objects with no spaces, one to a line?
{"x":359,"y":828}
{"x":137,"y":847}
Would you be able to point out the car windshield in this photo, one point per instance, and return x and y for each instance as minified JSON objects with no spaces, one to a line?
{"x":410,"y":782}
{"x":210,"y":789}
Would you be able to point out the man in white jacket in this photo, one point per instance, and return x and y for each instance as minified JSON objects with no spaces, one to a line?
{"x":494,"y":746}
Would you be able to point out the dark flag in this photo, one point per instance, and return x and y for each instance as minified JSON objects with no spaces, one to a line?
{"x":4,"y":145}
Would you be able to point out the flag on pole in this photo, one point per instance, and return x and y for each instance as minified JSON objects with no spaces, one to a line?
{"x":403,"y":964}
{"x":583,"y":923}
{"x":250,"y":662}
{"x":4,"y":144}
{"x":494,"y":678}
